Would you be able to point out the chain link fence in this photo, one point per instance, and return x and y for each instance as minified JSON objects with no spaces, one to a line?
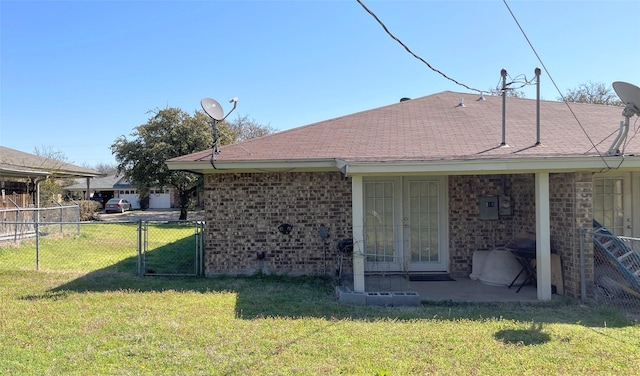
{"x":20,"y":223}
{"x":172,"y":248}
{"x":616,"y":271}
{"x":142,"y":248}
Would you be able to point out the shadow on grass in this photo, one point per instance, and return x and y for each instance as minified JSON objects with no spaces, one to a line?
{"x":261,"y":296}
{"x":264,"y":295}
{"x":523,"y":337}
{"x":177,"y":258}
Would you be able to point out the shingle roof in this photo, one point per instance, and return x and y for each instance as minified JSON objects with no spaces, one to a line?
{"x":435,"y":127}
{"x":21,"y":162}
{"x":99,"y":183}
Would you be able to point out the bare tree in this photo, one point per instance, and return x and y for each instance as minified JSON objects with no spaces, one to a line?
{"x":105,"y":168}
{"x":244,"y":128}
{"x":593,"y":93}
{"x":511,"y":93}
{"x":53,"y":157}
{"x":53,"y":160}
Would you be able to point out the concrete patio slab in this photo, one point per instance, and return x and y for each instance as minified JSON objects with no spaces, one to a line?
{"x":459,"y":290}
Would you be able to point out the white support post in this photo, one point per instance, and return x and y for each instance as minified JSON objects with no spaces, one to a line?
{"x":357,"y":206}
{"x":543,"y":236}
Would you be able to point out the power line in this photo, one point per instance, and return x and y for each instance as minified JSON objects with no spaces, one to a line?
{"x":412,"y":53}
{"x":554,"y":84}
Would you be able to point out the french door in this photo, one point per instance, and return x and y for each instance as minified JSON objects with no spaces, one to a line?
{"x":405,"y":224}
{"x":612,"y":202}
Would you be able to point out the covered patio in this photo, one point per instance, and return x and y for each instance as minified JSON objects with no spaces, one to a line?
{"x":457,"y":290}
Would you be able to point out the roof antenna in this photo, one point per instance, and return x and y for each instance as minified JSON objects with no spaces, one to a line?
{"x":503,"y":73}
{"x":537,"y":72}
{"x":630,"y":95}
{"x":214,"y":110}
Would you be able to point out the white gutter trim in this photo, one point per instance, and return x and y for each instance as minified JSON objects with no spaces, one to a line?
{"x":436,"y":167}
{"x":484,"y":166}
{"x":254,"y":166}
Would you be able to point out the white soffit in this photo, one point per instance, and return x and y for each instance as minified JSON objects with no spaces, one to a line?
{"x":439,"y":167}
{"x":503,"y":166}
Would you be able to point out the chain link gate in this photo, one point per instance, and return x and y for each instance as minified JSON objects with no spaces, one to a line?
{"x":160,"y":254}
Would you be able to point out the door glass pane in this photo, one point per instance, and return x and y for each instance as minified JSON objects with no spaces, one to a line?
{"x":423,"y":221}
{"x":608,"y":203}
{"x":378,"y":221}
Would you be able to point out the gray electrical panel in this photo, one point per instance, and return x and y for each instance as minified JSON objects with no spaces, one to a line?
{"x":489,"y":207}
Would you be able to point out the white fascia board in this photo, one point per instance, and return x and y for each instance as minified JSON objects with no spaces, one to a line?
{"x":435,"y":167}
{"x":21,"y":172}
{"x":490,"y":166}
{"x":254,"y":166}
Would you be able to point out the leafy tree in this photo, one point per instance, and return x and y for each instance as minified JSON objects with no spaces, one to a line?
{"x":594,"y":93}
{"x":169,"y":133}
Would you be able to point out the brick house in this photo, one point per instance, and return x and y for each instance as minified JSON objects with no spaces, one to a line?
{"x":419,"y":186}
{"x":107,"y":187}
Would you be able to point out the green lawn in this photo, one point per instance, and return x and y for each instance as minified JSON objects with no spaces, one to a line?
{"x":112,"y":323}
{"x":100,"y":246}
{"x":105,"y":321}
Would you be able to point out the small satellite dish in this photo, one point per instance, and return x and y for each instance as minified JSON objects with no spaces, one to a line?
{"x":629,"y":94}
{"x":212,"y":108}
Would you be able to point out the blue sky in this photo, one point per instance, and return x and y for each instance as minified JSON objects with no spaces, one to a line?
{"x":75,"y":75}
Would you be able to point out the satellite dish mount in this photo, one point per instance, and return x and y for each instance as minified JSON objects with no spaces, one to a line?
{"x":630,"y":95}
{"x":212,"y":108}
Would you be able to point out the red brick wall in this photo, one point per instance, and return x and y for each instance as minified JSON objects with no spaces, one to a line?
{"x":571,"y":209}
{"x":467,"y":232}
{"x":243,"y":212}
{"x":523,"y":199}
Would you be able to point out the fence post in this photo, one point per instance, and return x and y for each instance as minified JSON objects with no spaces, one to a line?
{"x":200,"y":254}
{"x":37,"y":227}
{"x":139,"y":246}
{"x":78,"y":218}
{"x":583,"y":281}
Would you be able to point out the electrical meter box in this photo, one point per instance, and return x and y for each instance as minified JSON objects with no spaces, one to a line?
{"x":505,"y":205}
{"x":489,"y":208}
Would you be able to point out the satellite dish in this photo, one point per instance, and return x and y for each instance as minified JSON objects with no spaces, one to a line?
{"x":629,"y":94}
{"x":212,"y":108}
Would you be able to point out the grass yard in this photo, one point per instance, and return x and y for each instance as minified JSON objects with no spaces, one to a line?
{"x":103,"y":321}
{"x":106,"y":246}
{"x":110,"y":323}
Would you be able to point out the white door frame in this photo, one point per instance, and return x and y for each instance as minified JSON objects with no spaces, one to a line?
{"x":443,"y":264}
{"x":630,"y":221}
{"x":402,"y":257}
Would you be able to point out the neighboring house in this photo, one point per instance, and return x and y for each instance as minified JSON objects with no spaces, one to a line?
{"x":420,"y":185}
{"x":158,"y":198}
{"x":101,"y":188}
{"x":21,"y":174}
{"x":117,"y":186}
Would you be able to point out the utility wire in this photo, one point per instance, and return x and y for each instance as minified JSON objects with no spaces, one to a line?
{"x":554,"y":84}
{"x":412,"y":53}
{"x":520,"y":79}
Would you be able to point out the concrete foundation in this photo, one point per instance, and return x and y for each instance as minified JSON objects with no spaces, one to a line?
{"x":389,"y":299}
